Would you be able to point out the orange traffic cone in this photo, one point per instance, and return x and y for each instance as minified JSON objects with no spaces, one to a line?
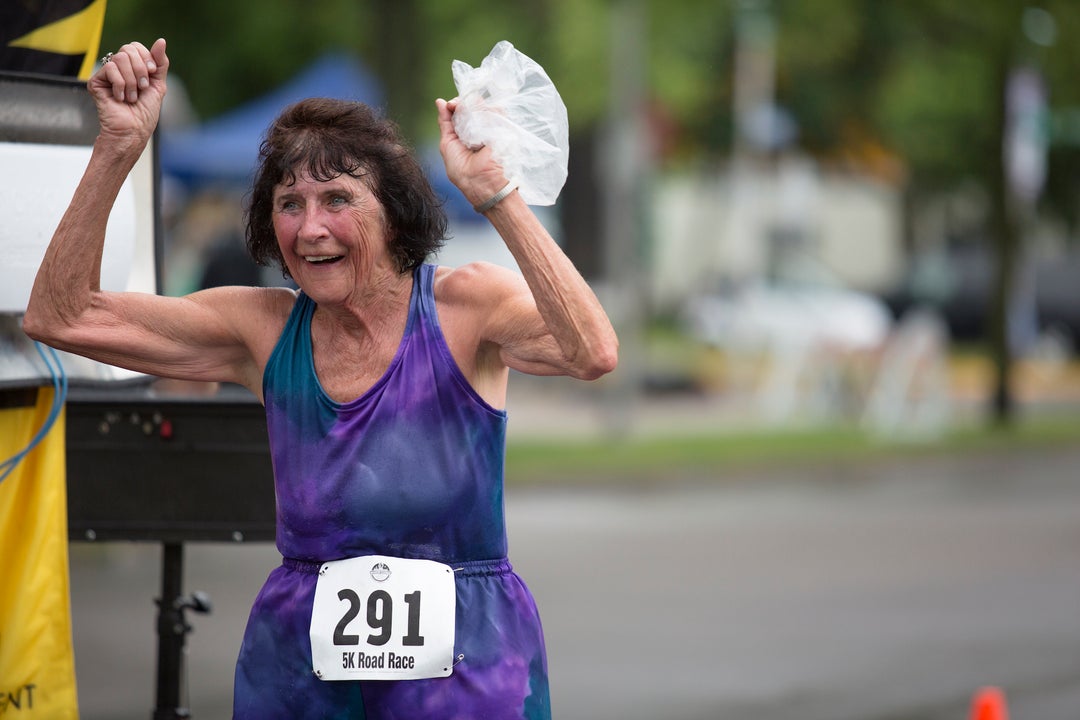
{"x":989,"y":704}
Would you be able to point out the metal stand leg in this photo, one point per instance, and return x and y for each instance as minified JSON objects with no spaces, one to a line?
{"x":172,"y":631}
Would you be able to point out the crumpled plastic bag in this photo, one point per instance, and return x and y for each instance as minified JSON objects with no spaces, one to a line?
{"x":510,"y":105}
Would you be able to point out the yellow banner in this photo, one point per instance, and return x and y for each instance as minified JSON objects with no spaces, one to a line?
{"x":37,"y":661}
{"x":54,"y":37}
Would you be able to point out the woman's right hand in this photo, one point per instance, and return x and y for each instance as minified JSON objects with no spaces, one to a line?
{"x":128,"y":91}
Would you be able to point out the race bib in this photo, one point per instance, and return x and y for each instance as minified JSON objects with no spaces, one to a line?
{"x":383,"y":618}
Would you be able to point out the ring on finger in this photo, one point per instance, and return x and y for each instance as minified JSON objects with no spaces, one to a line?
{"x":107,"y":58}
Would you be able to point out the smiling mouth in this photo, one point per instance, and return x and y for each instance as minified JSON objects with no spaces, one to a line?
{"x":322,"y":259}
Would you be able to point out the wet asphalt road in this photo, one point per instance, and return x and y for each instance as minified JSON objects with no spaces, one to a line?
{"x":857,"y":592}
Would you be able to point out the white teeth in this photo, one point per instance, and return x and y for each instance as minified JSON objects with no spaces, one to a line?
{"x":319,"y":258}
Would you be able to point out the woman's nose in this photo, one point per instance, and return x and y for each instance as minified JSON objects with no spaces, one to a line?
{"x":311,"y":225}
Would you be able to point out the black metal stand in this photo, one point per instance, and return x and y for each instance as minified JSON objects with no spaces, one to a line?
{"x":172,"y":629}
{"x":204,"y":476}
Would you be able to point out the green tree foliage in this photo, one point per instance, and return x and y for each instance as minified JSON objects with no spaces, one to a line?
{"x":229,"y":52}
{"x":920,"y":81}
{"x":915,"y":76}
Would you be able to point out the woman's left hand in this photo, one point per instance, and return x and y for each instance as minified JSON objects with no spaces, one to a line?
{"x":474,"y":172}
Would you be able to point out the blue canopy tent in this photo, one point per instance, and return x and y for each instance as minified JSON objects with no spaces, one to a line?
{"x":222,"y":152}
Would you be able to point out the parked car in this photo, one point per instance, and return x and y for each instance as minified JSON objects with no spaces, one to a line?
{"x":959,"y":284}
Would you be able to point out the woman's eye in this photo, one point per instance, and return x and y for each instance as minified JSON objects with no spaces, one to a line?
{"x":288,"y":206}
{"x":338,"y":200}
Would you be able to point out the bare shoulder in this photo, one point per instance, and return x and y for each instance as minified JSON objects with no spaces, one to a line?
{"x":277,"y":301}
{"x":477,"y":284}
{"x":474,"y":300}
{"x":271,"y":306}
{"x":488,"y":304}
{"x":247,"y":303}
{"x":257,"y":314}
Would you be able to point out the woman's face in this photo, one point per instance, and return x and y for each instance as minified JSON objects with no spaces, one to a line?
{"x":332,"y":235}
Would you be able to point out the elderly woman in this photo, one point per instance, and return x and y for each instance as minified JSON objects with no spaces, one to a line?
{"x":384,"y":380}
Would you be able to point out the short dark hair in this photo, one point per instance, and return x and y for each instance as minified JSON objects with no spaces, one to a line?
{"x":327,"y":138}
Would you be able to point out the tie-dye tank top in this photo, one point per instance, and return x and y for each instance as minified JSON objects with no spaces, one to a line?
{"x":412,"y":468}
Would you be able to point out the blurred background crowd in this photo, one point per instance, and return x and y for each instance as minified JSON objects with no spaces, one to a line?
{"x":851,"y":211}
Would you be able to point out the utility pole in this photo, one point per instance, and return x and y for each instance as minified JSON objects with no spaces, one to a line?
{"x":1018,"y":184}
{"x":625,"y":164}
{"x":742,"y":251}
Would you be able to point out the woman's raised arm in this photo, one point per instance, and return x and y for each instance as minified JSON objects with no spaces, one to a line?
{"x":199,"y":337}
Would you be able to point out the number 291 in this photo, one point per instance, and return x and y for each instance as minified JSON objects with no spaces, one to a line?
{"x":380,"y":618}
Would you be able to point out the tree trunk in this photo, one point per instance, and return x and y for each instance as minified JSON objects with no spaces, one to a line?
{"x":1005,"y":236}
{"x":399,"y":59}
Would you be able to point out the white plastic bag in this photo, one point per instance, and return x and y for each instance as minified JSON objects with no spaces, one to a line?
{"x":510,"y":105}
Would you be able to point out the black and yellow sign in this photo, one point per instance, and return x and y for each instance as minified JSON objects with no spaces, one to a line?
{"x":51,"y":37}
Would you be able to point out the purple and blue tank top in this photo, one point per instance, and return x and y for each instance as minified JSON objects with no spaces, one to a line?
{"x":412,"y":468}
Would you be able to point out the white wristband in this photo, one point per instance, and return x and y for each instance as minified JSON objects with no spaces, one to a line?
{"x":495,"y":199}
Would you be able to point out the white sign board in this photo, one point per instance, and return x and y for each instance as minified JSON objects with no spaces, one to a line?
{"x":47,"y":128}
{"x":46,"y":179}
